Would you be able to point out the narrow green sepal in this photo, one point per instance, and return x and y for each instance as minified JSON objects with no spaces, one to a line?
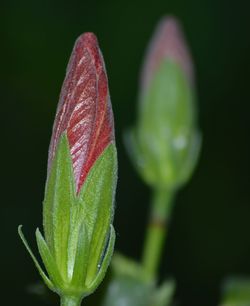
{"x":40,"y":270}
{"x":105,"y":261}
{"x":81,"y":259}
{"x":59,"y":198}
{"x":49,"y":261}
{"x":79,"y":238}
{"x":96,"y":200}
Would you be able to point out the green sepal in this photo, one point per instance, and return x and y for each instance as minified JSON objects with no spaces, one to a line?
{"x":192,"y":156}
{"x":104,"y":263}
{"x":46,"y":280}
{"x":81,"y":258}
{"x":165,"y":142}
{"x":58,"y":202}
{"x":79,"y":237}
{"x":49,"y":261}
{"x":96,"y":202}
{"x":85,"y":217}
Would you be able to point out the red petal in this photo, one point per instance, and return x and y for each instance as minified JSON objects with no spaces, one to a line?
{"x":167,"y":42}
{"x":84,"y":108}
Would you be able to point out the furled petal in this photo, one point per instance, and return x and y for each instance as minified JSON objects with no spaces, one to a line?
{"x":84,"y":110}
{"x":167,"y":42}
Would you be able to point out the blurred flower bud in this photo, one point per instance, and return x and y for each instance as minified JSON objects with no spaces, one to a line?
{"x":81,"y":183}
{"x":165,"y":142}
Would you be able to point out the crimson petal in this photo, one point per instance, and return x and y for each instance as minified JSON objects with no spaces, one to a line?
{"x":84,"y":110}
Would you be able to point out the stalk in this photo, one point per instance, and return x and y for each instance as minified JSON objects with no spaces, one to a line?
{"x":71,"y":301}
{"x":157,"y":230}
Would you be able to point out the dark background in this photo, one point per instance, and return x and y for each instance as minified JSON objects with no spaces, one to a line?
{"x":209,"y":234}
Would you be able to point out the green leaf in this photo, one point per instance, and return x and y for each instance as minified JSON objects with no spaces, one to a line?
{"x":236,"y":292}
{"x":163,"y":295}
{"x":105,"y":262}
{"x":48,"y":260}
{"x":127,"y":291}
{"x":40,"y":270}
{"x":96,"y":201}
{"x":59,"y":197}
{"x":124,"y":266}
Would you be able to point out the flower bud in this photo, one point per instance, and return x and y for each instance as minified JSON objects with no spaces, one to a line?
{"x":165,"y":142}
{"x":84,"y":111}
{"x":81,"y":182}
{"x":168,"y":42}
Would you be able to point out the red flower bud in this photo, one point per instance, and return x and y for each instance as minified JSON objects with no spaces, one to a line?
{"x":79,"y":238}
{"x":168,"y":43}
{"x":84,"y":111}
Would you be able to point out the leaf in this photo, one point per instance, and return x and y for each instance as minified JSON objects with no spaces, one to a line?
{"x":48,"y":260}
{"x":236,"y":291}
{"x":59,"y":197}
{"x":40,"y":270}
{"x":96,"y":200}
{"x":163,"y":295}
{"x":127,"y":291}
{"x":124,"y":266}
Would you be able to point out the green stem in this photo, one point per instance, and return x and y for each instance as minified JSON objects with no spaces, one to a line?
{"x":70,"y":301}
{"x":157,"y":228}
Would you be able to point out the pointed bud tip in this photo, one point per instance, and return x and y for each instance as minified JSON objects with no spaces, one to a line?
{"x":87,"y":39}
{"x":84,"y":111}
{"x":168,"y":42}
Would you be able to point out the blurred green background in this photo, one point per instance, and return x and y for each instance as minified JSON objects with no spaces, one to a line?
{"x":209,"y":234}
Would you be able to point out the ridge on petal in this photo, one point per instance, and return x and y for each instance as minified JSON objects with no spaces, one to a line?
{"x":84,"y":110}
